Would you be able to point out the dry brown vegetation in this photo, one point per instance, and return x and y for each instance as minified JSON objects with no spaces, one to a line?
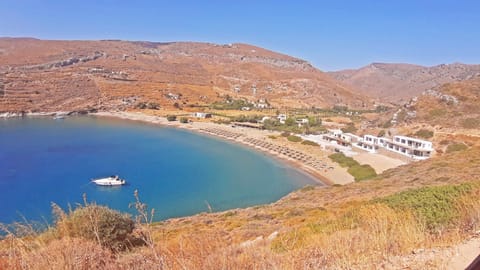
{"x":464,"y":115}
{"x":46,"y":75}
{"x":400,"y":82}
{"x":426,"y":204}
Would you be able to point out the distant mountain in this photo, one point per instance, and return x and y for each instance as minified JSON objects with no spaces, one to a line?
{"x":399,"y":82}
{"x":40,"y":75}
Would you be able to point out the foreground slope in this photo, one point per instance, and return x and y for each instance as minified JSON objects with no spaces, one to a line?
{"x":43,"y":75}
{"x":400,"y":82}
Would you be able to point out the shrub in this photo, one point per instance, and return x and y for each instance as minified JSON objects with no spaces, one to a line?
{"x":437,"y":113}
{"x":456,"y":147}
{"x":424,"y":133}
{"x":184,"y":120}
{"x":471,"y":123}
{"x":306,"y":142}
{"x":433,"y":205}
{"x":285,"y":134}
{"x":290,"y":121}
{"x":381,"y":133}
{"x":272,"y":137}
{"x":108,"y":227}
{"x":350,"y":128}
{"x":171,"y":118}
{"x":387,"y":124}
{"x":294,"y":138}
{"x":343,"y":160}
{"x":362,"y":172}
{"x":147,"y":105}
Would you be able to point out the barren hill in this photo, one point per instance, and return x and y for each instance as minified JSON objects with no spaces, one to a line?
{"x":44,"y":75}
{"x":400,"y":82}
{"x":455,"y":105}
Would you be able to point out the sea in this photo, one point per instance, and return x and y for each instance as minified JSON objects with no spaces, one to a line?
{"x":176,"y":172}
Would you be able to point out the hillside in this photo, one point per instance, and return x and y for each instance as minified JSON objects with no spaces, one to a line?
{"x":44,"y":75}
{"x":399,"y":82}
{"x":452,"y":106}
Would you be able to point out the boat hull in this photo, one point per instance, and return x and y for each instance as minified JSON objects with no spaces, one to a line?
{"x":110,"y":181}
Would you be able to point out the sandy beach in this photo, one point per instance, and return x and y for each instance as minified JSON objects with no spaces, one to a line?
{"x":308,"y":159}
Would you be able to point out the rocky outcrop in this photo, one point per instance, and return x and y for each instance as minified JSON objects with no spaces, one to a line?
{"x":64,"y":63}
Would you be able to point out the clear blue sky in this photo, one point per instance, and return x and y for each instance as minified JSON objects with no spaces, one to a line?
{"x":331,"y":34}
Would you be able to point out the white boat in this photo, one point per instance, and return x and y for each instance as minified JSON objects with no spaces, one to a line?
{"x":58,"y":117}
{"x":113,"y":180}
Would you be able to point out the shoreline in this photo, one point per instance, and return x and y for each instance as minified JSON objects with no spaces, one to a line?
{"x":247,"y":138}
{"x":314,"y":165}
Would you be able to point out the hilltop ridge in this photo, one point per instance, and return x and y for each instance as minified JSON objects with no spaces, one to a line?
{"x":47,"y":75}
{"x":398,"y":82}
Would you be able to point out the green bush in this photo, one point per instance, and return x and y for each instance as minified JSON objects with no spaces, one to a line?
{"x":110,"y":228}
{"x":359,"y":172}
{"x":343,"y":160}
{"x":454,"y":147}
{"x":306,"y":142}
{"x":424,"y":133}
{"x":436,"y":206}
{"x":362,"y":172}
{"x":294,"y":138}
{"x":171,"y":118}
{"x":184,"y":120}
{"x":285,"y":134}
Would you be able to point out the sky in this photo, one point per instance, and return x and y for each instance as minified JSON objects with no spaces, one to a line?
{"x":332,"y":35}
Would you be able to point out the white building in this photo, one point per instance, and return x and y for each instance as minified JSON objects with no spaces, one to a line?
{"x":202,"y":115}
{"x":302,"y":121}
{"x":282,"y":118}
{"x":407,"y":146}
{"x":337,"y":135}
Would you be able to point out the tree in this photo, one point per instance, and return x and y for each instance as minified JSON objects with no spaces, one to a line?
{"x":290,"y":121}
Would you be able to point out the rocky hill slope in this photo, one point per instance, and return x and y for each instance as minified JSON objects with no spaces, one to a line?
{"x":400,"y":82}
{"x":43,"y":75}
{"x":452,"y":105}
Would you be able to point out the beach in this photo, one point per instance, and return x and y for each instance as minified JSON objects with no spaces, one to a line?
{"x":308,"y":159}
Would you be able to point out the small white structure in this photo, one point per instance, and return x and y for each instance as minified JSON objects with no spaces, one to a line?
{"x":245,"y":108}
{"x":340,"y":138}
{"x":407,"y":146}
{"x":301,"y":121}
{"x":202,"y":115}
{"x":261,"y":106}
{"x":264,"y":119}
{"x":282,"y":118}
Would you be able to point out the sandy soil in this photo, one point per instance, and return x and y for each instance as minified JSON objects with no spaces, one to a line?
{"x":325,"y":171}
{"x":378,"y":162}
{"x":455,"y":257}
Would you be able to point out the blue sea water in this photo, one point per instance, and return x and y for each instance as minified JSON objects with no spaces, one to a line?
{"x":176,"y":172}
